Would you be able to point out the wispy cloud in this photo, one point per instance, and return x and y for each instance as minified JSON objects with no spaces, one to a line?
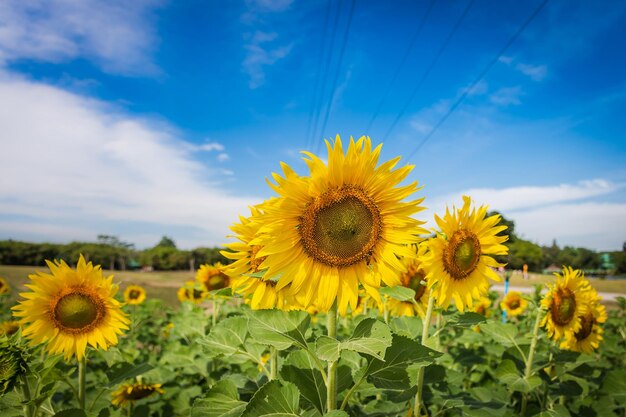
{"x":535,"y":72}
{"x":118,"y":36}
{"x":210,"y":146}
{"x":507,"y":96}
{"x":81,"y":162}
{"x":262,"y":51}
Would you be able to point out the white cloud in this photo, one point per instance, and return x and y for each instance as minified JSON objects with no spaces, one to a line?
{"x":261,"y":54}
{"x":507,"y":96}
{"x":72,"y":160}
{"x":210,"y":146}
{"x":269,"y":5}
{"x":535,"y":72}
{"x":117,"y":35}
{"x":223,"y":157}
{"x":543,"y":213}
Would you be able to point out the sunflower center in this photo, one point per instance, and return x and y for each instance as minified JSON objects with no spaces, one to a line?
{"x":563,"y":307}
{"x":134,"y":294}
{"x":481,"y":309}
{"x":216,"y":282}
{"x":197,"y":294}
{"x":586,"y":325}
{"x":461,"y":255}
{"x":77,"y":311}
{"x":341,"y":227}
{"x":514,"y":304}
{"x":138,"y":393}
{"x":414,"y":283}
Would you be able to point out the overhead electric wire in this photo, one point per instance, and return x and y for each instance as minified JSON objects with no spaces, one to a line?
{"x":337,"y":71}
{"x":320,"y":61}
{"x":481,"y":75}
{"x":399,"y":68}
{"x":426,"y":73}
{"x":325,"y":76}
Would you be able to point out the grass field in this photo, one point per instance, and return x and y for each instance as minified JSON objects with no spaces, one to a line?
{"x":164,"y":284}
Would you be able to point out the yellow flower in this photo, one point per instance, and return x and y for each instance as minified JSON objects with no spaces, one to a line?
{"x":167,"y":330}
{"x":482,"y":306}
{"x":264,"y":359}
{"x":5,"y":288}
{"x":70,"y":309}
{"x":588,"y":338}
{"x":211,"y":277}
{"x":412,"y":278}
{"x":190,"y":292}
{"x":513,"y":303}
{"x":566,"y":302}
{"x":129,"y":393}
{"x":459,"y":264}
{"x":345,"y":224}
{"x":9,"y":327}
{"x":134,"y":294}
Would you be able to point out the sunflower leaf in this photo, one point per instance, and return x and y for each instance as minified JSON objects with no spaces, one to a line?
{"x":221,"y":401}
{"x":508,"y":373}
{"x":120,"y":372}
{"x":467,"y":319}
{"x":276,"y":399}
{"x":280,"y":329}
{"x":371,"y":336}
{"x":327,"y":348}
{"x":503,"y":333}
{"x":72,"y":412}
{"x":227,"y":337}
{"x":300,"y":369}
{"x":398,"y":293}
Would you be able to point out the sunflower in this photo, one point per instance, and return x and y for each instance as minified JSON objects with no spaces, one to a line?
{"x":566,"y":302}
{"x":211,"y":277}
{"x":70,"y":309}
{"x":588,"y":338}
{"x":482,"y":306}
{"x":13,"y":364}
{"x":513,"y":303}
{"x":5,"y":288}
{"x":459,"y":264}
{"x":190,"y":292}
{"x":346,"y":223}
{"x":412,"y":278}
{"x":9,"y":327}
{"x":134,"y":294}
{"x":129,"y":393}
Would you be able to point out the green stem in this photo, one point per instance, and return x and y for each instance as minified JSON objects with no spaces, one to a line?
{"x":439,"y":322}
{"x":273,"y":363}
{"x":331,"y":387}
{"x":82,"y":374}
{"x":28,"y":408}
{"x":420,"y":373}
{"x":344,"y":403}
{"x":385,"y":311}
{"x":214,"y":314}
{"x":531,"y":356}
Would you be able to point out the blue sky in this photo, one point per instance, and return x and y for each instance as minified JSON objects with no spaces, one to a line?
{"x":151,"y":117}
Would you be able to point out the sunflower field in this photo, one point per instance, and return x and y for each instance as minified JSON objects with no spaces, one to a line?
{"x":337,"y":302}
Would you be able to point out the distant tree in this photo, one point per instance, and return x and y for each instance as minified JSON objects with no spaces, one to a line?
{"x":166,"y":242}
{"x":524,"y":252}
{"x":551,"y":254}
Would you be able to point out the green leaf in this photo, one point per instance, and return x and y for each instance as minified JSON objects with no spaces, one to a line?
{"x":468,"y":319}
{"x":336,"y":413}
{"x":410,"y":327}
{"x":327,"y":348}
{"x":398,"y":293}
{"x":275,"y":399}
{"x":300,"y":369}
{"x":371,"y":337}
{"x":392,"y":372}
{"x":120,"y":372}
{"x":557,"y":411}
{"x":278,"y":328}
{"x":227,"y":337}
{"x":222,"y":292}
{"x":222,"y":400}
{"x":503,"y":333}
{"x":72,"y":412}
{"x":508,"y":374}
{"x":614,"y":385}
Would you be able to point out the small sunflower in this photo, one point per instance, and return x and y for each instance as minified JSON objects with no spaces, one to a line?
{"x":191,"y":292}
{"x":412,"y":278}
{"x":588,"y":338}
{"x":566,"y":302}
{"x":459,"y":264}
{"x":483,"y":306}
{"x":129,"y":393}
{"x":9,"y":327}
{"x":134,"y":294}
{"x":211,"y":277}
{"x":70,"y":309}
{"x":13,"y":364}
{"x":513,"y":303}
{"x":5,"y":288}
{"x":343,"y":225}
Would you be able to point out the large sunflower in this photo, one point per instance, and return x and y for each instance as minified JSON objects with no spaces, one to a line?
{"x":134,"y":295}
{"x":513,"y":303}
{"x":4,"y":286}
{"x":129,"y":393}
{"x":412,"y":278}
{"x":588,"y":337}
{"x":566,"y":301}
{"x":70,"y":309}
{"x":211,"y":277}
{"x":346,"y":223}
{"x":459,"y":264}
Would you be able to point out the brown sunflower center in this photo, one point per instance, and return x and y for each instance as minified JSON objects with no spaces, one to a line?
{"x":216,"y":282}
{"x":139,"y":392}
{"x":196,"y":294}
{"x":481,"y":309}
{"x":461,"y":255}
{"x":514,"y":304}
{"x":134,"y":294}
{"x":341,"y":227}
{"x":586,"y":326}
{"x":413,"y":281}
{"x":563,"y":307}
{"x":78,"y":312}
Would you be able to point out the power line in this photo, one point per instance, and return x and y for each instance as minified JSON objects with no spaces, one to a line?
{"x":409,"y":49}
{"x":336,"y":78}
{"x":434,"y":61}
{"x":317,"y":75}
{"x":326,"y":71}
{"x":480,"y":76}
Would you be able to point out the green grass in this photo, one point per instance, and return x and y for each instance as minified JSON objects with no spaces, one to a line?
{"x":600,"y":285}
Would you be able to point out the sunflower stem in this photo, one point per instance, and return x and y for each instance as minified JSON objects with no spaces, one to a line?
{"x":331,"y":387}
{"x":420,"y":373}
{"x":28,"y":408}
{"x":82,"y":374}
{"x":531,"y":356}
{"x":273,"y":363}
